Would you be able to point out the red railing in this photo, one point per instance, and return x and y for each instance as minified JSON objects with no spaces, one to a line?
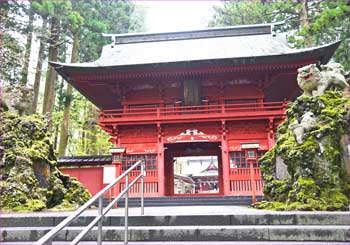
{"x":151,"y":184}
{"x":242,"y":182}
{"x":187,"y":112}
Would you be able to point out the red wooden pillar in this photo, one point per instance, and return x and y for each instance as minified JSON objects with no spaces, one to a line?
{"x":225,"y":161}
{"x":118,"y":172}
{"x":252,"y":180}
{"x":270,"y":134}
{"x":118,"y":165}
{"x":160,"y":162}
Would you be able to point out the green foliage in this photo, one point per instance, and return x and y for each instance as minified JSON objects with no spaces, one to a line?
{"x":75,"y":21}
{"x":11,"y":48}
{"x":11,"y":53}
{"x":317,"y":179}
{"x":85,"y":136}
{"x":241,"y":13}
{"x":103,"y":16}
{"x":330,"y":23}
{"x":327,"y":21}
{"x":52,"y":8}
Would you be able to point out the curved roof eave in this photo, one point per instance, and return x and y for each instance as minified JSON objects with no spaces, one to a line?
{"x":322,"y":53}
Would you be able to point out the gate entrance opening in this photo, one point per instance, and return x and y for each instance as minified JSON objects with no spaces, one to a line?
{"x":196,"y":175}
{"x":193,"y":168}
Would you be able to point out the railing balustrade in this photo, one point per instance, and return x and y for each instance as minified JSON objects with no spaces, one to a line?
{"x":167,"y":112}
{"x":47,"y":238}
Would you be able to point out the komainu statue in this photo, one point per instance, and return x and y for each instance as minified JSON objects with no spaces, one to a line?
{"x":307,"y":123}
{"x":314,"y":81}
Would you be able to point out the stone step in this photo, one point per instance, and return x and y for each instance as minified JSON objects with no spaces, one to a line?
{"x":330,"y":233}
{"x":282,"y":218}
{"x":191,"y":243}
{"x":189,"y":201}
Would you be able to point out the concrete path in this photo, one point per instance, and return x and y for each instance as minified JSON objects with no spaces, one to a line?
{"x":192,"y":243}
{"x":179,"y":210}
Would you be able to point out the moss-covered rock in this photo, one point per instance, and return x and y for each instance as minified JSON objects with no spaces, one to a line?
{"x":317,"y":177}
{"x":30,"y":178}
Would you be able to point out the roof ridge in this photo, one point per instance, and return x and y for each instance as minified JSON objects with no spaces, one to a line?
{"x":241,"y":30}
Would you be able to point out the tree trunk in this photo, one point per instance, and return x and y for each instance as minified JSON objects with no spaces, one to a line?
{"x":304,"y":22}
{"x":60,"y":108}
{"x":49,"y":94}
{"x":39,"y":66}
{"x":67,"y":104}
{"x":29,"y":32}
{"x":83,"y":134}
{"x":92,"y":130}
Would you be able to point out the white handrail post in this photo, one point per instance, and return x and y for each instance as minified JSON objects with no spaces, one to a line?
{"x":143,"y":188}
{"x":126,"y":210}
{"x":100,"y":213}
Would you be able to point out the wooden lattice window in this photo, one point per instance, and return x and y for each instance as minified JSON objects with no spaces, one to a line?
{"x":237,"y":159}
{"x":150,"y":161}
{"x":240,"y":159}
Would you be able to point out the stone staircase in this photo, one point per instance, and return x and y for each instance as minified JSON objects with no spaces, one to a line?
{"x":251,"y":226}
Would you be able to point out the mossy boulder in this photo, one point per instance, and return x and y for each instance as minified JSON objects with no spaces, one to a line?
{"x":30,"y":178}
{"x":317,"y":178}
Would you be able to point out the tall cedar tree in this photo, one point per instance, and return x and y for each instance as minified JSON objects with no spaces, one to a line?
{"x":28,"y":46}
{"x":98,"y":17}
{"x":75,"y":23}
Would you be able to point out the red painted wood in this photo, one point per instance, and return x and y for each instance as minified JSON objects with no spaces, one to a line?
{"x":149,"y":117}
{"x":161,"y":167}
{"x":225,"y":162}
{"x":91,"y":178}
{"x":193,"y":114}
{"x":242,"y":181}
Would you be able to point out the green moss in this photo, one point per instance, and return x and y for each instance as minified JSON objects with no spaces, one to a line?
{"x":65,"y":205}
{"x":303,"y":189}
{"x":31,"y":181}
{"x":317,"y":176}
{"x":335,"y":199}
{"x":277,"y":190}
{"x":278,"y":206}
{"x":31,"y":205}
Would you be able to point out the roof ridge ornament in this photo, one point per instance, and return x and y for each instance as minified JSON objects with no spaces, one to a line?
{"x":274,"y":25}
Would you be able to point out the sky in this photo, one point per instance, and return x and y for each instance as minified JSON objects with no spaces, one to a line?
{"x":176,"y":15}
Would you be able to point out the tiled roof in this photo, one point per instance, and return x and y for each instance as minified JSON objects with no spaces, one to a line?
{"x":207,"y":44}
{"x":84,"y":160}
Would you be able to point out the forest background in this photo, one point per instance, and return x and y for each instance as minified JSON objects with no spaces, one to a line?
{"x":71,"y":31}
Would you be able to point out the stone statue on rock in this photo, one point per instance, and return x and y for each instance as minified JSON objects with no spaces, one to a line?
{"x":314,"y":81}
{"x":307,"y":123}
{"x":309,"y":166}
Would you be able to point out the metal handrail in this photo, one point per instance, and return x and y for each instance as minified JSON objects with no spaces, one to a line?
{"x":47,"y":238}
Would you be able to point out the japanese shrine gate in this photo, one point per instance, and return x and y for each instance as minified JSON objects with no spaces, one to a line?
{"x":212,"y":92}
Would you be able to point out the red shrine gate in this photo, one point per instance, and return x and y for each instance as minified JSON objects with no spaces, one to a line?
{"x":214,"y":92}
{"x":237,"y":154}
